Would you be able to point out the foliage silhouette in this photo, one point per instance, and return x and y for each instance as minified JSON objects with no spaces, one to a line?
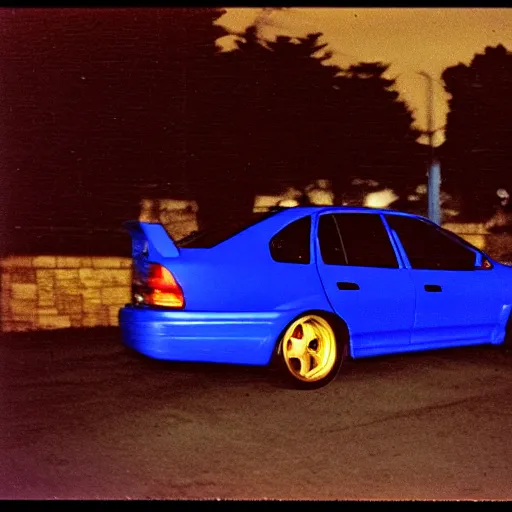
{"x":95,"y":105}
{"x":285,"y":116}
{"x":477,"y":152}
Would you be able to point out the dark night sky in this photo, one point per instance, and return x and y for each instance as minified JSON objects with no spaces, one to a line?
{"x":85,"y":95}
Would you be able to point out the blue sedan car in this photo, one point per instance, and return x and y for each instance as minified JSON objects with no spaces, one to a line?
{"x":310,"y":286}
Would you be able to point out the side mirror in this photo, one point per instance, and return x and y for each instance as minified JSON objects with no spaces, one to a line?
{"x":486,"y":264}
{"x":482,"y":263}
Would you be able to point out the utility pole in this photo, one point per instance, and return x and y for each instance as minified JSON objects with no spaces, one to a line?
{"x":434,"y":168}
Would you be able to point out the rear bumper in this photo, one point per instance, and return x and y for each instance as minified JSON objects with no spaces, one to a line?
{"x":234,"y":338}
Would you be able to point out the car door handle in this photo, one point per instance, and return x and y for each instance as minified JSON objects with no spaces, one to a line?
{"x":347,"y":286}
{"x":433,"y":288}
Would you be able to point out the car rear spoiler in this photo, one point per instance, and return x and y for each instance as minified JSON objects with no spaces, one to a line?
{"x":151,"y":237}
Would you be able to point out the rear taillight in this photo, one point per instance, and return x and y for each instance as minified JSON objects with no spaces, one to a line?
{"x":163,"y":288}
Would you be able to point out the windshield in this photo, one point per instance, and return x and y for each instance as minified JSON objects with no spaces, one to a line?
{"x":220,"y":230}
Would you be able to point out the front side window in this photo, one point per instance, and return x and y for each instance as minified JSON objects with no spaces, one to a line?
{"x":428,"y":248}
{"x":355,"y":239}
{"x":292,"y":243}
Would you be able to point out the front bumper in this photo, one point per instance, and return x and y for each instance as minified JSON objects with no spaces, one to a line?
{"x":234,"y":338}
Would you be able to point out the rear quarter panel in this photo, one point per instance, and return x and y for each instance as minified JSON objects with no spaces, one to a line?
{"x":240,"y":275}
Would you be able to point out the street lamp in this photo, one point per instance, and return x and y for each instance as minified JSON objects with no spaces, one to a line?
{"x":434,"y":169}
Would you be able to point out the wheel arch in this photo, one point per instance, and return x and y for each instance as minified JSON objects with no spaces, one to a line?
{"x":507,"y":339}
{"x":340,"y":326}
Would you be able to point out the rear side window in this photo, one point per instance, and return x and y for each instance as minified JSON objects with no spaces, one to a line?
{"x":292,"y":243}
{"x":355,"y":239}
{"x":221,"y":229}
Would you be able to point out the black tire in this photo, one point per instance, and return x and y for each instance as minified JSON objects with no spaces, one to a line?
{"x":320,"y":344}
{"x":507,"y":343}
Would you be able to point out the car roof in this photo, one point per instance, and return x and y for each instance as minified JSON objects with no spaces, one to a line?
{"x":305,"y":210}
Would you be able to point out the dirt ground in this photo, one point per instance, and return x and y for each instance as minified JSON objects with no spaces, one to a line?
{"x":83,"y":418}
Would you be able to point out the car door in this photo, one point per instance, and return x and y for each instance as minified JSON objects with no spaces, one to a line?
{"x":365,"y":281}
{"x":456,"y":302}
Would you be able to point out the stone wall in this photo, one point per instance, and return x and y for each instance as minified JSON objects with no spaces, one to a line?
{"x":52,"y":292}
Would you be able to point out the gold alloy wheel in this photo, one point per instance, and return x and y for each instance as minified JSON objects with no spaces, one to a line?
{"x":309,"y":348}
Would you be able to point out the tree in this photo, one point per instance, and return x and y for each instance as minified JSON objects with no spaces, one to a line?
{"x":477,"y":152}
{"x":382,"y":142}
{"x":303,"y":101}
{"x":266,"y":110}
{"x":283,"y":115}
